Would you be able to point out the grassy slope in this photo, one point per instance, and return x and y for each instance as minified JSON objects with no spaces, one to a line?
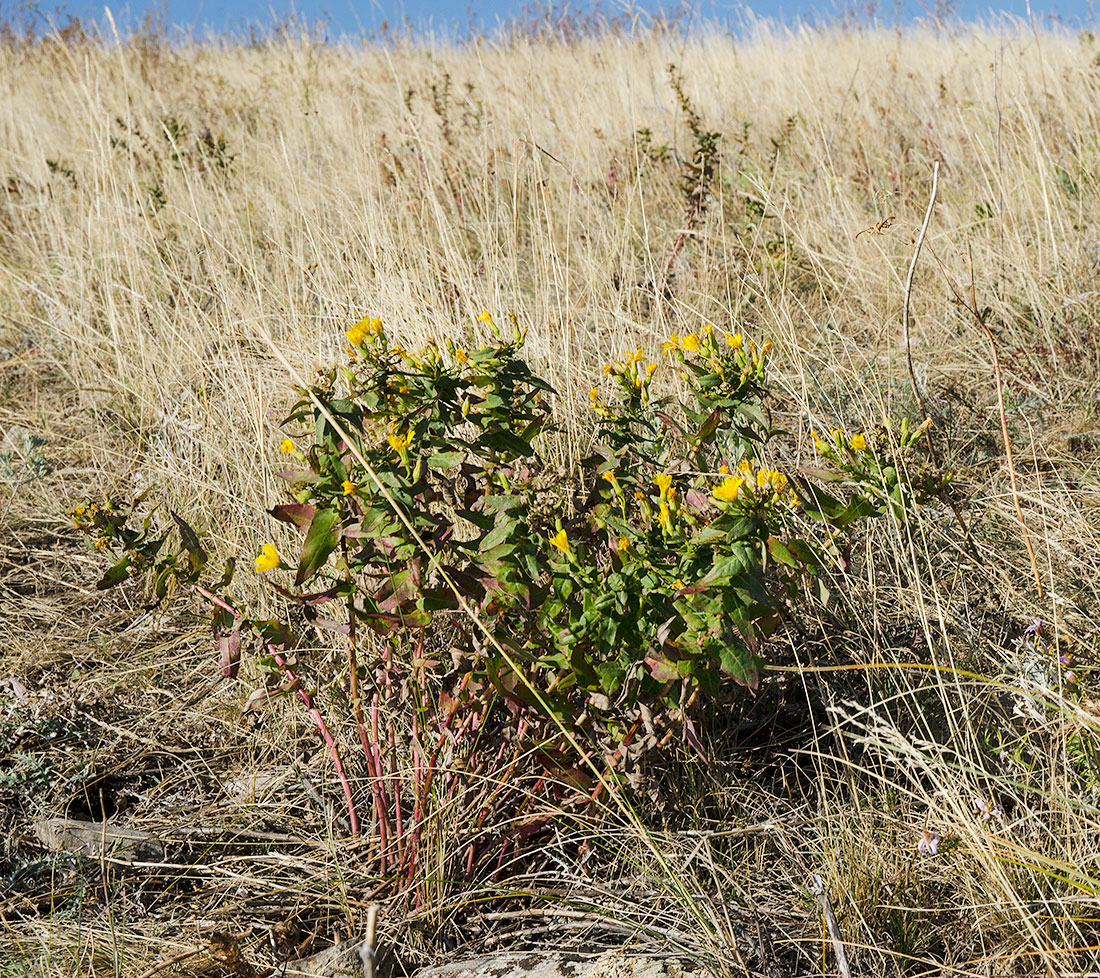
{"x":148,"y":272}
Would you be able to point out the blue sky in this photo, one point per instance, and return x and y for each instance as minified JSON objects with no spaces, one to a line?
{"x":356,"y":17}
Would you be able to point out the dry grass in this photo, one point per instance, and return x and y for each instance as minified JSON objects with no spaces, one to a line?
{"x":170,"y":218}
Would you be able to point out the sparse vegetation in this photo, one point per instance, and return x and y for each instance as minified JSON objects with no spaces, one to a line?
{"x":186,"y":232}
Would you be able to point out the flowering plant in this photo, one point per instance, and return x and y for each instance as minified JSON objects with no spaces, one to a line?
{"x":609,"y":605}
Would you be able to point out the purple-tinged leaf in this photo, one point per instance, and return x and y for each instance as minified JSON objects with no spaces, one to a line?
{"x":227,"y":635}
{"x":296,"y":514}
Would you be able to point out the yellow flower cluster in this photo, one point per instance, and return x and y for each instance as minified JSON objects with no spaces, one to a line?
{"x":363,"y":330}
{"x":750,"y":360}
{"x":761,"y":483}
{"x":631,"y":372}
{"x":667,"y":496}
{"x":855,"y":443}
{"x":691,"y":343}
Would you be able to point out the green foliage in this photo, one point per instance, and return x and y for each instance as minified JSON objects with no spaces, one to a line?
{"x":419,"y":492}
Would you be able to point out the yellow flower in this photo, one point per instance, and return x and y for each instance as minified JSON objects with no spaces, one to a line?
{"x":728,"y":489}
{"x":744,"y":467}
{"x":399,"y":442}
{"x":778,"y":480}
{"x":622,"y":544}
{"x":672,"y":343}
{"x":610,"y":477}
{"x":608,"y":368}
{"x":765,"y":349}
{"x":761,"y":479}
{"x":485,"y":317}
{"x":636,"y":356}
{"x":349,"y":487}
{"x":664,"y":518}
{"x":723,"y":469}
{"x":664,"y":483}
{"x":267,"y":559}
{"x":286,"y":446}
{"x":859,"y":443}
{"x":366,"y":326}
{"x":650,"y":367}
{"x":734,"y":340}
{"x":678,"y":584}
{"x":561,"y":541}
{"x":708,"y":329}
{"x":460,"y":355}
{"x":691,"y":343}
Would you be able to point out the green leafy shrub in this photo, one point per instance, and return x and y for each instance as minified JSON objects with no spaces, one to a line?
{"x":610,"y":604}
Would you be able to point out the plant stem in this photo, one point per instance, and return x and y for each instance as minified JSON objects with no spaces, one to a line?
{"x":353,"y":818}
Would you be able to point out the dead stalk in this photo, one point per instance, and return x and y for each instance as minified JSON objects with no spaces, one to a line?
{"x":905,"y":315}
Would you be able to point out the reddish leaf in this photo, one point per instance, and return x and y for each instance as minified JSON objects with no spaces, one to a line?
{"x":662,"y":670}
{"x":296,"y":514}
{"x":228,"y":637}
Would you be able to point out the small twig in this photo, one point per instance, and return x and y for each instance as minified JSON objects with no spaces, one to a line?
{"x":878,"y":228}
{"x":367,"y":950}
{"x":905,"y":315}
{"x":168,"y":962}
{"x":817,"y":885}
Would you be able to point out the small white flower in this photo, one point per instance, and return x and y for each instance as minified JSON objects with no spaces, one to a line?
{"x":988,"y":809}
{"x":929,"y":843}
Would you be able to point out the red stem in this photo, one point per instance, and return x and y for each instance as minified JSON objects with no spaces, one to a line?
{"x":353,"y":818}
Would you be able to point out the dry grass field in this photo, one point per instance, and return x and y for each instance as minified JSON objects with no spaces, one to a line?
{"x":186,"y":232}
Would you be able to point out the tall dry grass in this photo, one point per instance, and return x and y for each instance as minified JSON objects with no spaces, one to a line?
{"x":170,"y":218}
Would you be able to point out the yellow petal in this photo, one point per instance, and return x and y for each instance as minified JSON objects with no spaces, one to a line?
{"x":561,"y":541}
{"x":728,"y":489}
{"x":267,"y":559}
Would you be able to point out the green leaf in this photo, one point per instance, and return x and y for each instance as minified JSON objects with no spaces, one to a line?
{"x":497,"y":536}
{"x":507,"y":443}
{"x":320,"y":541}
{"x":196,"y":556}
{"x":710,"y":426}
{"x":724,"y":569}
{"x":780,"y":553}
{"x":445,"y":460}
{"x":737,"y":661}
{"x":118,"y":573}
